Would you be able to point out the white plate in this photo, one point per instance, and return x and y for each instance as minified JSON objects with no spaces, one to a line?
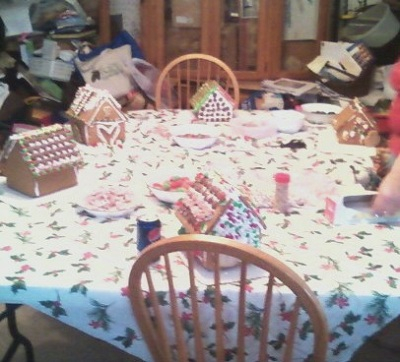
{"x":109,"y":202}
{"x":108,"y":214}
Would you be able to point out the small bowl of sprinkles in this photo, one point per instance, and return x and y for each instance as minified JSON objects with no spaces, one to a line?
{"x":196,"y":136}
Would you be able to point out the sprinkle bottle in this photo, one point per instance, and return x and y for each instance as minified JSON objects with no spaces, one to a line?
{"x":282,"y":181}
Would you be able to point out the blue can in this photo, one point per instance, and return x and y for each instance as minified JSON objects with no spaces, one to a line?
{"x":148,"y":230}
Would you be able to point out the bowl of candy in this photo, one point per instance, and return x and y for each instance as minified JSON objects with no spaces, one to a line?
{"x":320,"y":113}
{"x":169,"y":185}
{"x":255,"y":125}
{"x":196,"y":136}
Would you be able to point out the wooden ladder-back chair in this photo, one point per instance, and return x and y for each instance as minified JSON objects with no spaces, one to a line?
{"x":172,"y":317}
{"x":181,"y":78}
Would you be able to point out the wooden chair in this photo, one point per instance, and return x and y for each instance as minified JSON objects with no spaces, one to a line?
{"x":181,"y":78}
{"x":151,"y":310}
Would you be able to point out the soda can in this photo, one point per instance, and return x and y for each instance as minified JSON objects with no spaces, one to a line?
{"x":148,"y":230}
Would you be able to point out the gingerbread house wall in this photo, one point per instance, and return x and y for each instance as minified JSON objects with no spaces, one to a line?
{"x":210,"y":111}
{"x":98,"y":132}
{"x":86,"y":130}
{"x":20,"y":178}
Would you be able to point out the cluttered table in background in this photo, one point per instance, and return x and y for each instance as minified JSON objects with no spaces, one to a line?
{"x":62,"y":261}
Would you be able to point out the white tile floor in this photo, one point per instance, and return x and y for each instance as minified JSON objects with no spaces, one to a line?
{"x":54,"y":341}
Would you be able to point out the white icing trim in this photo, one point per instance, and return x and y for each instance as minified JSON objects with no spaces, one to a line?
{"x":36,"y":190}
{"x":112,"y":129}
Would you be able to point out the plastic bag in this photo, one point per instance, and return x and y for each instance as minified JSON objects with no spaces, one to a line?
{"x":110,"y":70}
{"x":145,"y":76}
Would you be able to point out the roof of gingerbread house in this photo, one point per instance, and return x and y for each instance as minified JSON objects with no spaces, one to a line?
{"x":45,"y":149}
{"x":213,"y":206}
{"x":211,"y":92}
{"x":92,"y":104}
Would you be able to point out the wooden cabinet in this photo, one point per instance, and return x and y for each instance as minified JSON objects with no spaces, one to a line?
{"x":258,"y":39}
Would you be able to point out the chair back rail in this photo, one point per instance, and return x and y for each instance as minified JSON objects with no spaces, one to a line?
{"x":181,"y":78}
{"x":164,"y":332}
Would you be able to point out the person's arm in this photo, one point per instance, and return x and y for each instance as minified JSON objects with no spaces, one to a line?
{"x":387,"y":202}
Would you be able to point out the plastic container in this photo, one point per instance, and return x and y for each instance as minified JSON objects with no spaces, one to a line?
{"x":375,"y":27}
{"x":282,"y":181}
{"x":288,"y":120}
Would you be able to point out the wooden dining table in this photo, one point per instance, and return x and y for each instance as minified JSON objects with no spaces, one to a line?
{"x":60,"y":259}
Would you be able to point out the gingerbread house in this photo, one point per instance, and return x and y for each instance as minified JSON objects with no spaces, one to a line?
{"x":212,"y":103}
{"x":213,"y":206}
{"x":41,"y":161}
{"x":355,"y":125}
{"x":96,"y":117}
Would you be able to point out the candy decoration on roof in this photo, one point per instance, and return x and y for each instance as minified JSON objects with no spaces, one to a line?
{"x":41,"y":161}
{"x":212,"y":103}
{"x":213,"y":206}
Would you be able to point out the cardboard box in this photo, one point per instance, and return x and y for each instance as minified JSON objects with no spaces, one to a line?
{"x":355,"y":209}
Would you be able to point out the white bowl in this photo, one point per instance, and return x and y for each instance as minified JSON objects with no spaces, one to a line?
{"x":288,"y":120}
{"x":194,"y":135}
{"x":161,"y":177}
{"x":320,"y":113}
{"x":254,"y":125}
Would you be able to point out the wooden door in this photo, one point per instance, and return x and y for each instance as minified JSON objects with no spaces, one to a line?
{"x":251,"y":36}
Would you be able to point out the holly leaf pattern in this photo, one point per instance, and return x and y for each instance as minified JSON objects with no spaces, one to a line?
{"x":305,"y":330}
{"x":254,"y":319}
{"x":55,"y":226}
{"x":339,"y":348}
{"x":378,"y":308}
{"x":18,"y":258}
{"x":99,"y":315}
{"x":55,"y":306}
{"x":18,"y":283}
{"x":19,"y":211}
{"x":278,"y":342}
{"x":53,"y":254}
{"x":210,"y":297}
{"x":80,"y":287}
{"x":7,"y":224}
{"x":161,"y":298}
{"x":362,"y":234}
{"x":127,"y":339}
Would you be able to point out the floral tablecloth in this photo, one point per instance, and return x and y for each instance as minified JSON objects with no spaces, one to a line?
{"x":62,"y":261}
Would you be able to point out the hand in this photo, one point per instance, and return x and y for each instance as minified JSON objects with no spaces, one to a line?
{"x":387,"y":202}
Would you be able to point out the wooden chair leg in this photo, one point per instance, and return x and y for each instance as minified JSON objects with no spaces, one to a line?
{"x":17,"y":337}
